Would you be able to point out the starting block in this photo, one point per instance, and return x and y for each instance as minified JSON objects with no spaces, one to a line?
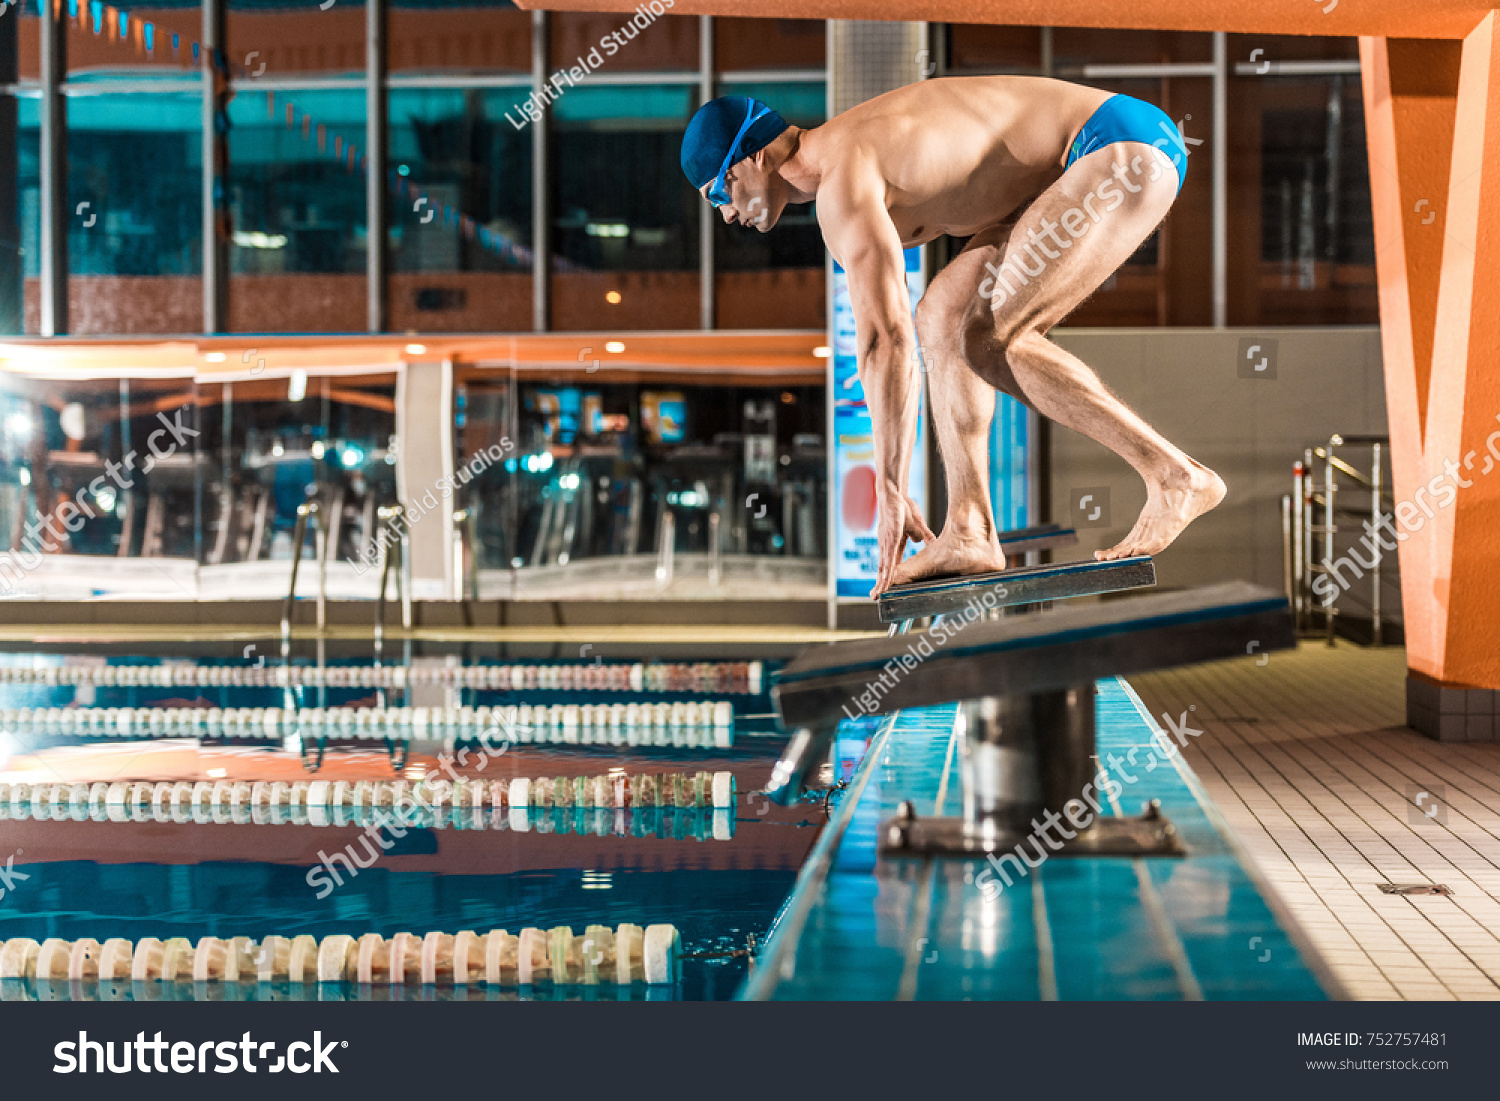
{"x":1017,"y":544}
{"x":1018,"y":584}
{"x":1009,"y":588}
{"x":1026,"y":688}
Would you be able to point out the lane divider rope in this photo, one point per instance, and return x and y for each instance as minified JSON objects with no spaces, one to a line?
{"x":600,"y":956}
{"x":615,"y":790}
{"x":736,"y":678}
{"x":523,"y":722}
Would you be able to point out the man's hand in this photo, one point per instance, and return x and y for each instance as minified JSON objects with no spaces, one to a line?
{"x":900,"y":519}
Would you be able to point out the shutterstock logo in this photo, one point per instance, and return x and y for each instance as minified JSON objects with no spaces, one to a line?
{"x":85,"y":1056}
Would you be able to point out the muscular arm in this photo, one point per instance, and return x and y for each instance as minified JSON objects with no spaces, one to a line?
{"x":859,"y":232}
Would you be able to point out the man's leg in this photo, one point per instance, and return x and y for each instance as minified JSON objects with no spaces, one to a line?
{"x":951,"y":321}
{"x":1062,"y":248}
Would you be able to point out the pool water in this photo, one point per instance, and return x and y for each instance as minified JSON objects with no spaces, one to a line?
{"x":149,"y":875}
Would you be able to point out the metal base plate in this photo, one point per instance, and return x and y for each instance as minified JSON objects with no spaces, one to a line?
{"x":1151,"y":834}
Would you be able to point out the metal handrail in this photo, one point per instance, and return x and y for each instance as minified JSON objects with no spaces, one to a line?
{"x":465,"y":557}
{"x":715,"y":570}
{"x":1303,"y":537}
{"x":308,"y":512}
{"x":399,"y":551}
{"x":666,"y":547}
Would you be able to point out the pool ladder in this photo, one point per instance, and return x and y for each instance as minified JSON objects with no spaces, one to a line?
{"x":395,"y":554}
{"x":309,"y":512}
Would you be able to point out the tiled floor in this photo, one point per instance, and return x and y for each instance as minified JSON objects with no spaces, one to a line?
{"x":1310,"y":762}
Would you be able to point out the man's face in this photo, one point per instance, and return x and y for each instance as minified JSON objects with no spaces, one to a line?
{"x":747,"y":185}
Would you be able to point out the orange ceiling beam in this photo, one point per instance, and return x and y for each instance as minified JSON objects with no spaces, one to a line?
{"x":1393,"y":18}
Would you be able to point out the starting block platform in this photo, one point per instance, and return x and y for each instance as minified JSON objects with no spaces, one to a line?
{"x":1025,"y":690}
{"x":1027,"y":654}
{"x":1009,"y":588}
{"x":1020,"y":542}
{"x":990,"y":726}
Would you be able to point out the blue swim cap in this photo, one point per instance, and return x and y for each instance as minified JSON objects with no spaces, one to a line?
{"x":706,"y":143}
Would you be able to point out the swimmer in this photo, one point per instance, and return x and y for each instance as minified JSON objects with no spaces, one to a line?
{"x":1055,"y":185}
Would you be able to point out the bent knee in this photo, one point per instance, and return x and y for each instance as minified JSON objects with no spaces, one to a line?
{"x":936,"y":321}
{"x":1022,"y":343}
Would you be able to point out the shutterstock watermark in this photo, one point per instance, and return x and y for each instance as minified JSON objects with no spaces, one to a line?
{"x":552,"y":89}
{"x":1081,"y":812}
{"x":944,"y":631}
{"x":161,"y":444}
{"x":9,"y":877}
{"x":418,"y":507}
{"x":1411,"y":514}
{"x":325,"y":876}
{"x":1076,"y":222}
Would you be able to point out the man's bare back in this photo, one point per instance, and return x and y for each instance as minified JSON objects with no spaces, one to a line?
{"x":1008,"y":162}
{"x":956,"y":155}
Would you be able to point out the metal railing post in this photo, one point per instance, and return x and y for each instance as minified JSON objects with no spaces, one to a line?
{"x":1299,"y":575}
{"x":666,"y":548}
{"x":1330,"y":529}
{"x":1287,"y":558}
{"x":1377,"y":635}
{"x":714,"y":570}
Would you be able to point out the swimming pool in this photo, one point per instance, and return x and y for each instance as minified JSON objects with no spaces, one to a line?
{"x":289,"y":833}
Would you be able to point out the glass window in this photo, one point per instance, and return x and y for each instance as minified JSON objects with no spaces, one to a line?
{"x":310,"y":37}
{"x":645,"y":40}
{"x":605,"y":470}
{"x":134,"y":213}
{"x":297,"y":210}
{"x":458,"y":153}
{"x":753,"y":44}
{"x":981,"y":46}
{"x":1074,"y":47}
{"x":1168,"y":279}
{"x":83,"y":476}
{"x":270,"y":443}
{"x":1300,"y":191}
{"x":776,"y":279}
{"x":20,"y":221}
{"x":104,"y":40}
{"x":20,"y":52}
{"x":1291,"y":48}
{"x":466,"y":36}
{"x":624,"y":220}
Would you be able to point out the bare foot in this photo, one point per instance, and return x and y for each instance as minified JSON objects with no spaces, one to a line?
{"x":951,"y":556}
{"x":1171,"y":505}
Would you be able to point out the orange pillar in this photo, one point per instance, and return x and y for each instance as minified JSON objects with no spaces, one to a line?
{"x":1433,"y":117}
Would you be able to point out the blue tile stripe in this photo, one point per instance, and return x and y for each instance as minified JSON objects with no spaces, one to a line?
{"x":857,"y":927}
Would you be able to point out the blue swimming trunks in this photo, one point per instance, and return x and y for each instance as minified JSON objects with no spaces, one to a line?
{"x":1125,"y":118}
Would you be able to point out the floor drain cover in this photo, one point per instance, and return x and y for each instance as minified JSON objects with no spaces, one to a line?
{"x":1414,"y":889}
